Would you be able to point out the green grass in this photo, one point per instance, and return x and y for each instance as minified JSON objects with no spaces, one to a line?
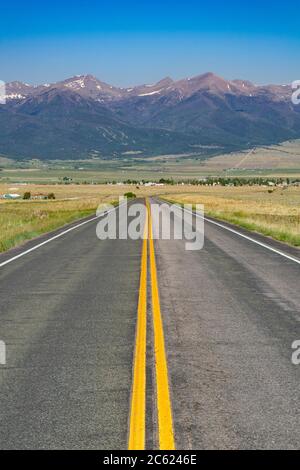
{"x":19,"y":224}
{"x":274,"y":215}
{"x":280,"y":234}
{"x":134,"y":169}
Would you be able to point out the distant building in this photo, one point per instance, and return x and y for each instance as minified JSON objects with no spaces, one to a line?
{"x":150,"y":183}
{"x":11,"y":196}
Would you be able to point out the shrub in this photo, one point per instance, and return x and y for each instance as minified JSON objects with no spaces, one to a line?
{"x":27,"y":195}
{"x":51,"y":196}
{"x":130,"y":195}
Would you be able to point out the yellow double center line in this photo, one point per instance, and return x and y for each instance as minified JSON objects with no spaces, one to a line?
{"x":137,"y":431}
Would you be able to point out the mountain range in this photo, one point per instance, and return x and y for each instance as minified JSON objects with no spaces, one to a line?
{"x":82,"y":117}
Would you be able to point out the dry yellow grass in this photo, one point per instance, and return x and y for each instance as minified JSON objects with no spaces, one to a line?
{"x":22,"y":220}
{"x":281,"y":157}
{"x":97,"y":192}
{"x":276,"y":215}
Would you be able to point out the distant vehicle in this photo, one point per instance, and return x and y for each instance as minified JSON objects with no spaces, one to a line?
{"x":11,"y":196}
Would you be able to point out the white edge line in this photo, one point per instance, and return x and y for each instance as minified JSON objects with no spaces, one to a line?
{"x":278,"y":252}
{"x":54,"y":238}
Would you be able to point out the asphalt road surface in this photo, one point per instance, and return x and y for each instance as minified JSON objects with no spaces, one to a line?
{"x":218,"y":370}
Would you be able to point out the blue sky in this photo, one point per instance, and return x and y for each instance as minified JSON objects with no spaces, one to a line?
{"x":130,"y":42}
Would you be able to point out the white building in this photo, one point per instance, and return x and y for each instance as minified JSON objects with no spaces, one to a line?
{"x":11,"y":196}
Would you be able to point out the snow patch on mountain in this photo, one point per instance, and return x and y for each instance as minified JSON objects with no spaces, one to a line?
{"x":76,"y":84}
{"x":14,"y":96}
{"x":151,"y":93}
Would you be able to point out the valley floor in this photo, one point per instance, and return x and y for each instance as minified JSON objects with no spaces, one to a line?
{"x":272,"y":212}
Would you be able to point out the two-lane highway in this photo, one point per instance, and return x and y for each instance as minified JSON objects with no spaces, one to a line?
{"x":231,"y":314}
{"x":68,"y":318}
{"x":114,"y":343}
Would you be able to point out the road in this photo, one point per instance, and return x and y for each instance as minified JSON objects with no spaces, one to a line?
{"x":78,"y":325}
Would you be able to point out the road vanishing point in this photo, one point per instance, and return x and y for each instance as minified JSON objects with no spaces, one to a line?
{"x":140,"y":344}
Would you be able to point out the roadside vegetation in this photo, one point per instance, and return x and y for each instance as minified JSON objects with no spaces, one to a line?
{"x":22,"y":220}
{"x":273,"y":213}
{"x":130,"y":195}
{"x":271,"y":210}
{"x":28,"y":218}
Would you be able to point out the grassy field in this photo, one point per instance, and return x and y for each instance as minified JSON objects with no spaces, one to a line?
{"x":282,"y":158}
{"x":22,"y":220}
{"x":274,"y":214}
{"x":278,"y":160}
{"x":185,"y":169}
